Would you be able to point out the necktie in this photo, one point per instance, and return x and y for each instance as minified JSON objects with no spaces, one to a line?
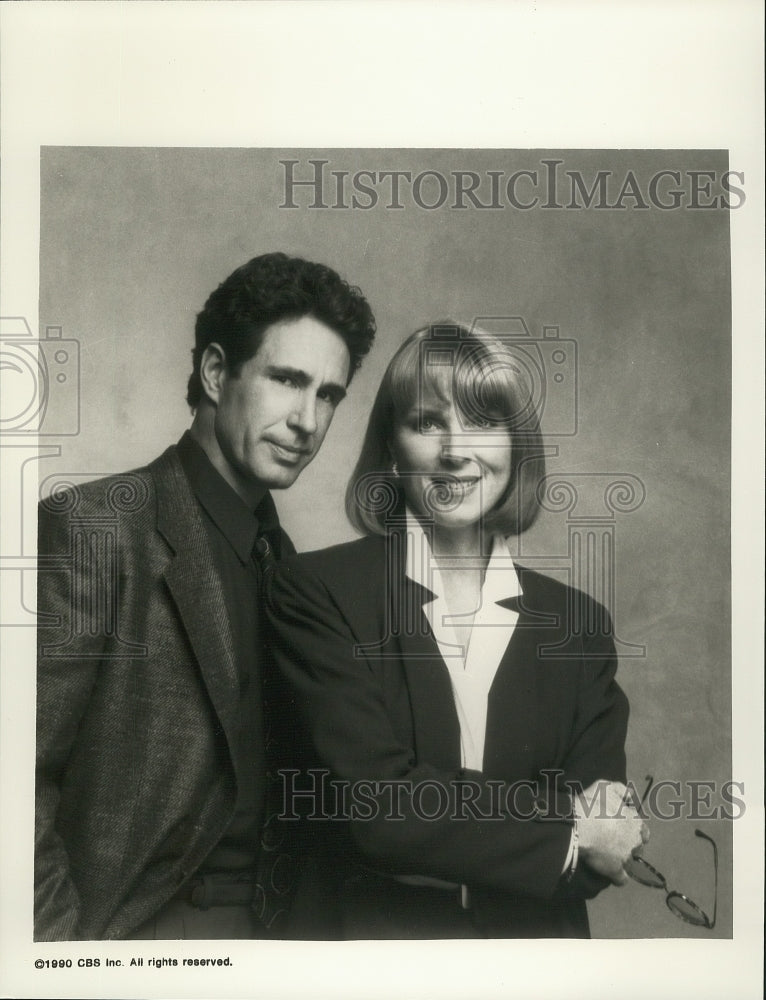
{"x":277,"y":864}
{"x":263,"y":554}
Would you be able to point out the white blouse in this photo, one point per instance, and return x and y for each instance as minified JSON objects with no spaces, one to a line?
{"x":471,"y":670}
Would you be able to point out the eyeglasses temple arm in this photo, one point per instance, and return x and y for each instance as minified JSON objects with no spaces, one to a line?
{"x":649,"y":779}
{"x":699,"y":833}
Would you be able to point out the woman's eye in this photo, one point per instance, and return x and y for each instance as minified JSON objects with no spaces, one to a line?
{"x":428,"y":424}
{"x":481,"y":423}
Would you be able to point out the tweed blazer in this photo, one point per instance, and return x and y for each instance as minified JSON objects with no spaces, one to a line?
{"x":137,"y":699}
{"x":375,"y":699}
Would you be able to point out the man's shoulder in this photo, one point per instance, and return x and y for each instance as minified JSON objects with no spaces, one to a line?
{"x":338,"y":558}
{"x":131,"y":492}
{"x":351,"y":575}
{"x":350,"y":567}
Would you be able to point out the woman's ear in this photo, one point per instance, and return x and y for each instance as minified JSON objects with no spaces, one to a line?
{"x":212,"y":372}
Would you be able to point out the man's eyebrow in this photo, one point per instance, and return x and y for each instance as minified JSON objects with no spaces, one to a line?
{"x":337,"y":391}
{"x":298,"y":375}
{"x":303,"y":379}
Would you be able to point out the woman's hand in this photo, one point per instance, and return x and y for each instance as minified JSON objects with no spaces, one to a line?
{"x":610,"y":830}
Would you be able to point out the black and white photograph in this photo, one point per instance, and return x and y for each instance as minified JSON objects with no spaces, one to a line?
{"x":379,"y":521}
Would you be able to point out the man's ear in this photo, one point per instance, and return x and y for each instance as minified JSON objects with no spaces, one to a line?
{"x":212,"y":372}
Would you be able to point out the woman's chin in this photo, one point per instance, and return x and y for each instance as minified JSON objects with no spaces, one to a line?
{"x":458,"y":519}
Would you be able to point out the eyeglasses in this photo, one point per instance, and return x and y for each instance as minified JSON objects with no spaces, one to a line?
{"x":679,"y":904}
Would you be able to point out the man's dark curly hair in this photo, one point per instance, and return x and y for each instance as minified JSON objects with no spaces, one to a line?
{"x":269,"y":289}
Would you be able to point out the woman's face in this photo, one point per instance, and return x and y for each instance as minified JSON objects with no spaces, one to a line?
{"x":451,"y":470}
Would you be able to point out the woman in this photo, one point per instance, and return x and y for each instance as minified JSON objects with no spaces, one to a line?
{"x":449,"y":697}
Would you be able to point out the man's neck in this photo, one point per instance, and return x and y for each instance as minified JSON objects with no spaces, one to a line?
{"x":202,"y":431}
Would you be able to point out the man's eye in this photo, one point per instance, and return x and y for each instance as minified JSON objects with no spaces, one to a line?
{"x":284,"y":380}
{"x":329,"y":397}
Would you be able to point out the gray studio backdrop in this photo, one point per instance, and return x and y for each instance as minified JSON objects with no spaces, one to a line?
{"x":635,"y":277}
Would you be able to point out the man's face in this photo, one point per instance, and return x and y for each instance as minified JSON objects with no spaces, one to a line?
{"x":272,"y":416}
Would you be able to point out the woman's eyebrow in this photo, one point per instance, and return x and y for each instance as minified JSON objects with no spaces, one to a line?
{"x":431,"y":407}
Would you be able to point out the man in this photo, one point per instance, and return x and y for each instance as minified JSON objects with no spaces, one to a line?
{"x":151,"y":733}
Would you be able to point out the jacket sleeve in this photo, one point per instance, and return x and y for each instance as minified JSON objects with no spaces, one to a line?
{"x":64,"y":686}
{"x":597,"y":748}
{"x":450,"y":825}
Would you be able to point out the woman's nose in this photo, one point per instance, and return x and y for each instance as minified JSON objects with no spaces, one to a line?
{"x":455,"y":451}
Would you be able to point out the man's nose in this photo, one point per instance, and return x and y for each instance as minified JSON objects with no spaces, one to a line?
{"x":304,"y":417}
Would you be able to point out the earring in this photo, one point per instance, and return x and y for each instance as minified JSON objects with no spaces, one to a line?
{"x":395,"y":469}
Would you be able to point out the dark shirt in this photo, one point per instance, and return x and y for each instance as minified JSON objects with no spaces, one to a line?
{"x":233,"y":530}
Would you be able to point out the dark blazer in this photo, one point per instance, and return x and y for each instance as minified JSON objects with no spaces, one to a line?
{"x":137,"y":702}
{"x":376,"y":702}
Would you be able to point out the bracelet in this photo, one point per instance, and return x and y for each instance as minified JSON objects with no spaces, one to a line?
{"x":575,"y":851}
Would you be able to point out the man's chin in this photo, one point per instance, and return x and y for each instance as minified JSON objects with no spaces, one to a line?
{"x":281,"y":479}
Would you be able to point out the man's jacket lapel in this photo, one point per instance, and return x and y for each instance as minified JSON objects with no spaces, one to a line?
{"x":197,"y":589}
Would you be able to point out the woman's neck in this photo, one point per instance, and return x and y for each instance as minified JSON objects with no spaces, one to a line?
{"x":460,"y":542}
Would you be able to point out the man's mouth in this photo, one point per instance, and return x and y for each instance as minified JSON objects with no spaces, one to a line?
{"x":289,"y":453}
